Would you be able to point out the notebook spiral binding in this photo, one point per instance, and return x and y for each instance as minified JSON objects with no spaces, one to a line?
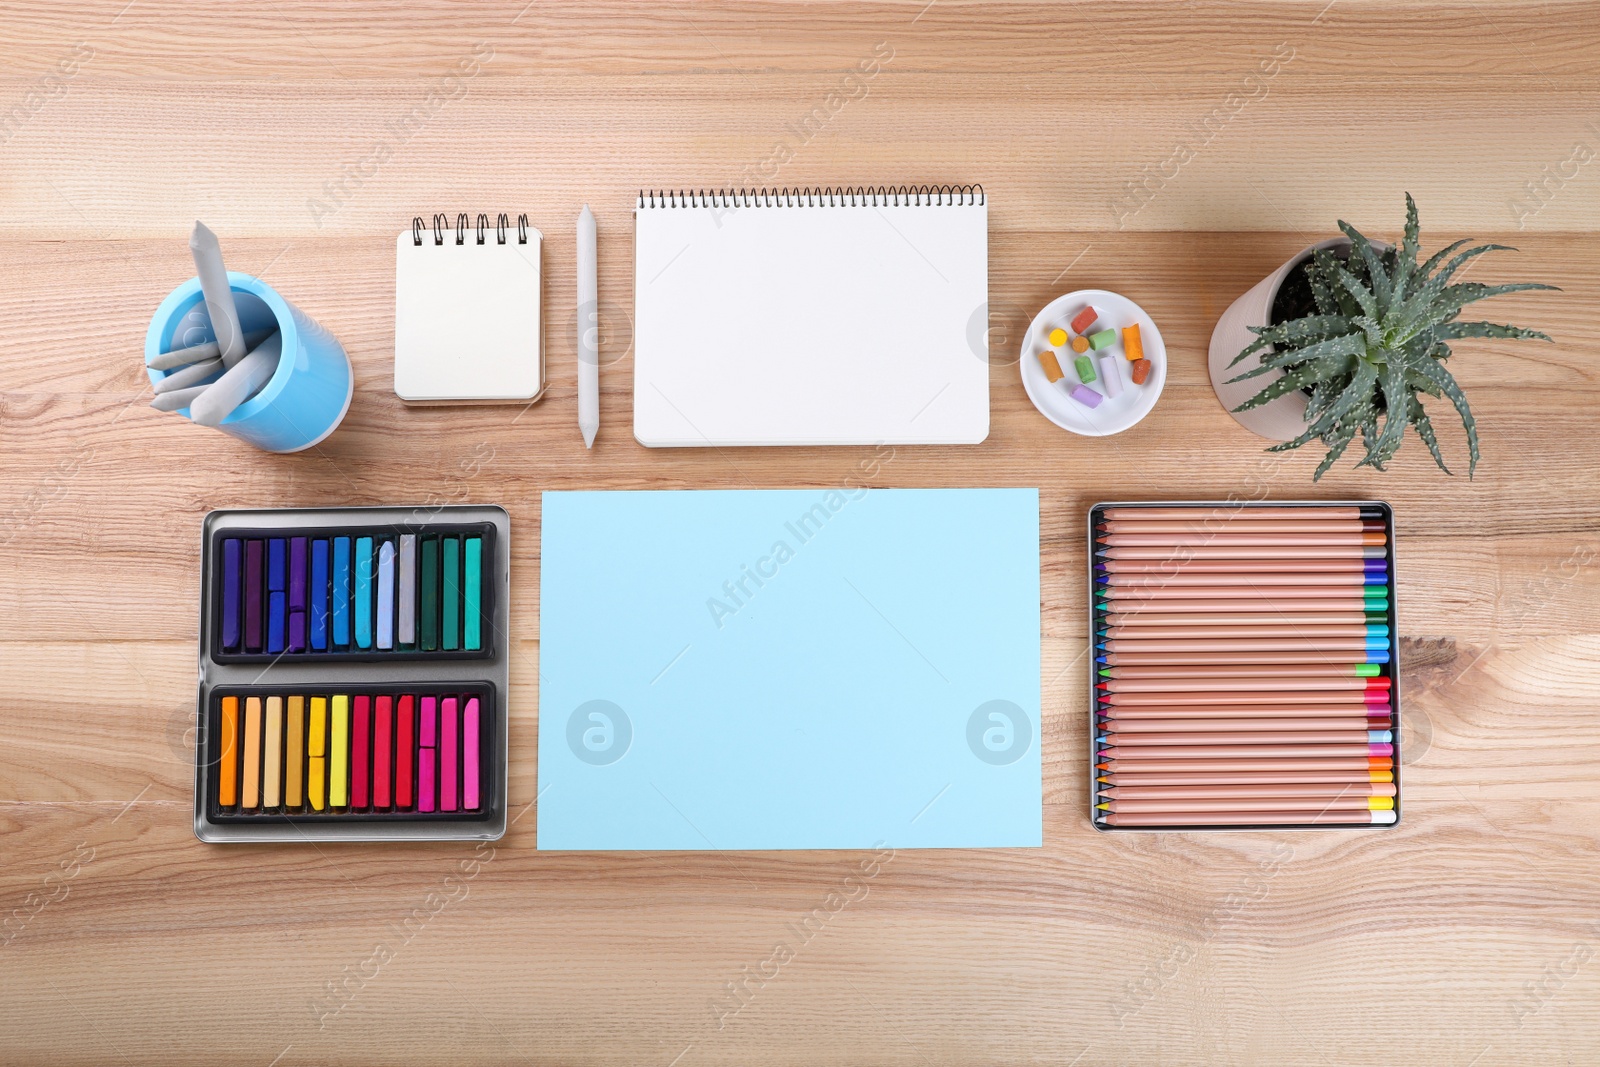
{"x":441,"y":222}
{"x":829,"y":196}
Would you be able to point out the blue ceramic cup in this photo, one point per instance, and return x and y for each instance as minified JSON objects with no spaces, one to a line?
{"x":306,"y":397}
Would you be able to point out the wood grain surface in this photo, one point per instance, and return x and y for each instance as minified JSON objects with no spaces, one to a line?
{"x":308,"y":134}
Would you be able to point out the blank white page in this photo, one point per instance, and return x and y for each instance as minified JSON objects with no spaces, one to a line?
{"x":466,"y":319}
{"x":821,"y":325}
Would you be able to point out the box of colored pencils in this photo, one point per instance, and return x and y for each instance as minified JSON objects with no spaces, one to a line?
{"x":353,"y":674}
{"x":1245,"y":668}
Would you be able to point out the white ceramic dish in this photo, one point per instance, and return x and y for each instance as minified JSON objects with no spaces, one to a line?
{"x":1114,"y":414}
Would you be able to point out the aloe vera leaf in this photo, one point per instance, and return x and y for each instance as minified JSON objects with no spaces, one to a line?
{"x":1341,"y":441}
{"x":1377,"y":277}
{"x":1348,"y":345}
{"x":1396,"y":398}
{"x":1298,"y":378}
{"x":1406,"y":256}
{"x":1487,"y":329}
{"x":1357,"y":291}
{"x":1424,"y":425}
{"x":1434,"y":371}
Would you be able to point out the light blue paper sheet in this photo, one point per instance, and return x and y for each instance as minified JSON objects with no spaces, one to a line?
{"x":784,"y":669}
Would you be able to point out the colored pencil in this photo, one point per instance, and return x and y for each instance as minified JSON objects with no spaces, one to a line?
{"x":1255,"y":764}
{"x":1280,"y":619}
{"x":1123,"y":727}
{"x":1244,"y":751}
{"x":1230,"y":551}
{"x":1310,"y":804}
{"x":1134,"y":741}
{"x":1241,"y":526}
{"x":1231,"y":633}
{"x":1257,"y":580}
{"x":1249,"y":658}
{"x":1233,"y":540}
{"x":1246,"y":791}
{"x":1252,"y":696}
{"x":1343,"y":594}
{"x":1235,"y":685}
{"x":1244,"y":778}
{"x":1246,"y":670}
{"x":1120,"y":713}
{"x":1252,"y":818}
{"x":1210,"y":605}
{"x":1338,"y":565}
{"x":1234,"y":511}
{"x":1257,"y":644}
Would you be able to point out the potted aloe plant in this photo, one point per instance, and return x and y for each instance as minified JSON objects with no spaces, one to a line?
{"x":1352,"y":335}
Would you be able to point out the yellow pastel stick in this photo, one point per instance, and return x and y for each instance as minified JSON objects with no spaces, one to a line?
{"x":317,"y":751}
{"x":339,"y":757}
{"x":1132,"y":345}
{"x":251,"y":798}
{"x":294,"y":769}
{"x":272,"y":771}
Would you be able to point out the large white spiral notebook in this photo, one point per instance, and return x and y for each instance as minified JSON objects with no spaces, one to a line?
{"x":811,"y":317}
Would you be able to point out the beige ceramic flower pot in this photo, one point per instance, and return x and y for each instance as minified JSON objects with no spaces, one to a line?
{"x":1284,"y":417}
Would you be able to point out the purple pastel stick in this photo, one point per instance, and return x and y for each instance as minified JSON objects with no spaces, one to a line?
{"x":230,"y":594}
{"x":297,"y":574}
{"x":297,"y":631}
{"x":254,"y":580}
{"x":1086,"y":396}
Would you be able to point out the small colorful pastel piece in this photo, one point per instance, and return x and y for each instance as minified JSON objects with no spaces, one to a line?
{"x":1110,"y":374}
{"x":1141,"y":371}
{"x":1132,"y":343}
{"x":1085,"y":366}
{"x":1084,"y":319}
{"x":1103,"y":339}
{"x":1080,"y":343}
{"x":1052,"y":366}
{"x":1058,"y":337}
{"x":1086,"y":396}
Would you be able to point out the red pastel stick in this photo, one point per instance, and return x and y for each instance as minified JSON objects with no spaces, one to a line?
{"x":361,"y":752}
{"x":405,"y":746}
{"x":382,"y":751}
{"x":449,"y":755}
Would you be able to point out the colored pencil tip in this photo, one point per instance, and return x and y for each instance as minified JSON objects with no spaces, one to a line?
{"x":1105,"y":672}
{"x":1103,"y":807}
{"x":1100,"y":659}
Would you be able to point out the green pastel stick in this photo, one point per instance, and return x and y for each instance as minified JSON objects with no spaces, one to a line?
{"x":429,"y":622}
{"x":1085,"y":367}
{"x":1103,"y":339}
{"x":452,"y":594}
{"x":472,"y":585}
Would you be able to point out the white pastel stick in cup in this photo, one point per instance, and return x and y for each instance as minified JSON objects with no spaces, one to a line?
{"x":239,"y":384}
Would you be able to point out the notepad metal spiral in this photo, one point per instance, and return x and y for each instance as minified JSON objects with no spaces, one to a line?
{"x":812,"y":196}
{"x":441,"y":223}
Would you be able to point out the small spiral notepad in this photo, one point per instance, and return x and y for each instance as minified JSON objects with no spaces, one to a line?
{"x":467,"y":316}
{"x":812,"y":317}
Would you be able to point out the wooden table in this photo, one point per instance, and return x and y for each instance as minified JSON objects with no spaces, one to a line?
{"x":309,"y":133}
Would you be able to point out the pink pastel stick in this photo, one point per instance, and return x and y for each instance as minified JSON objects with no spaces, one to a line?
{"x":449,"y":757}
{"x":469,"y":753}
{"x":427,"y":755}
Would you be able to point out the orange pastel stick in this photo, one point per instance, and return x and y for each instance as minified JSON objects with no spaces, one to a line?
{"x":228,"y":760}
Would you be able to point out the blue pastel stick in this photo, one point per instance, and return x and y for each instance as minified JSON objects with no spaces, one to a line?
{"x":341,"y":592}
{"x":386,"y":595}
{"x":364,"y":592}
{"x":319,"y":595}
{"x":277,"y":620}
{"x":230,"y":594}
{"x":277,"y":565}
